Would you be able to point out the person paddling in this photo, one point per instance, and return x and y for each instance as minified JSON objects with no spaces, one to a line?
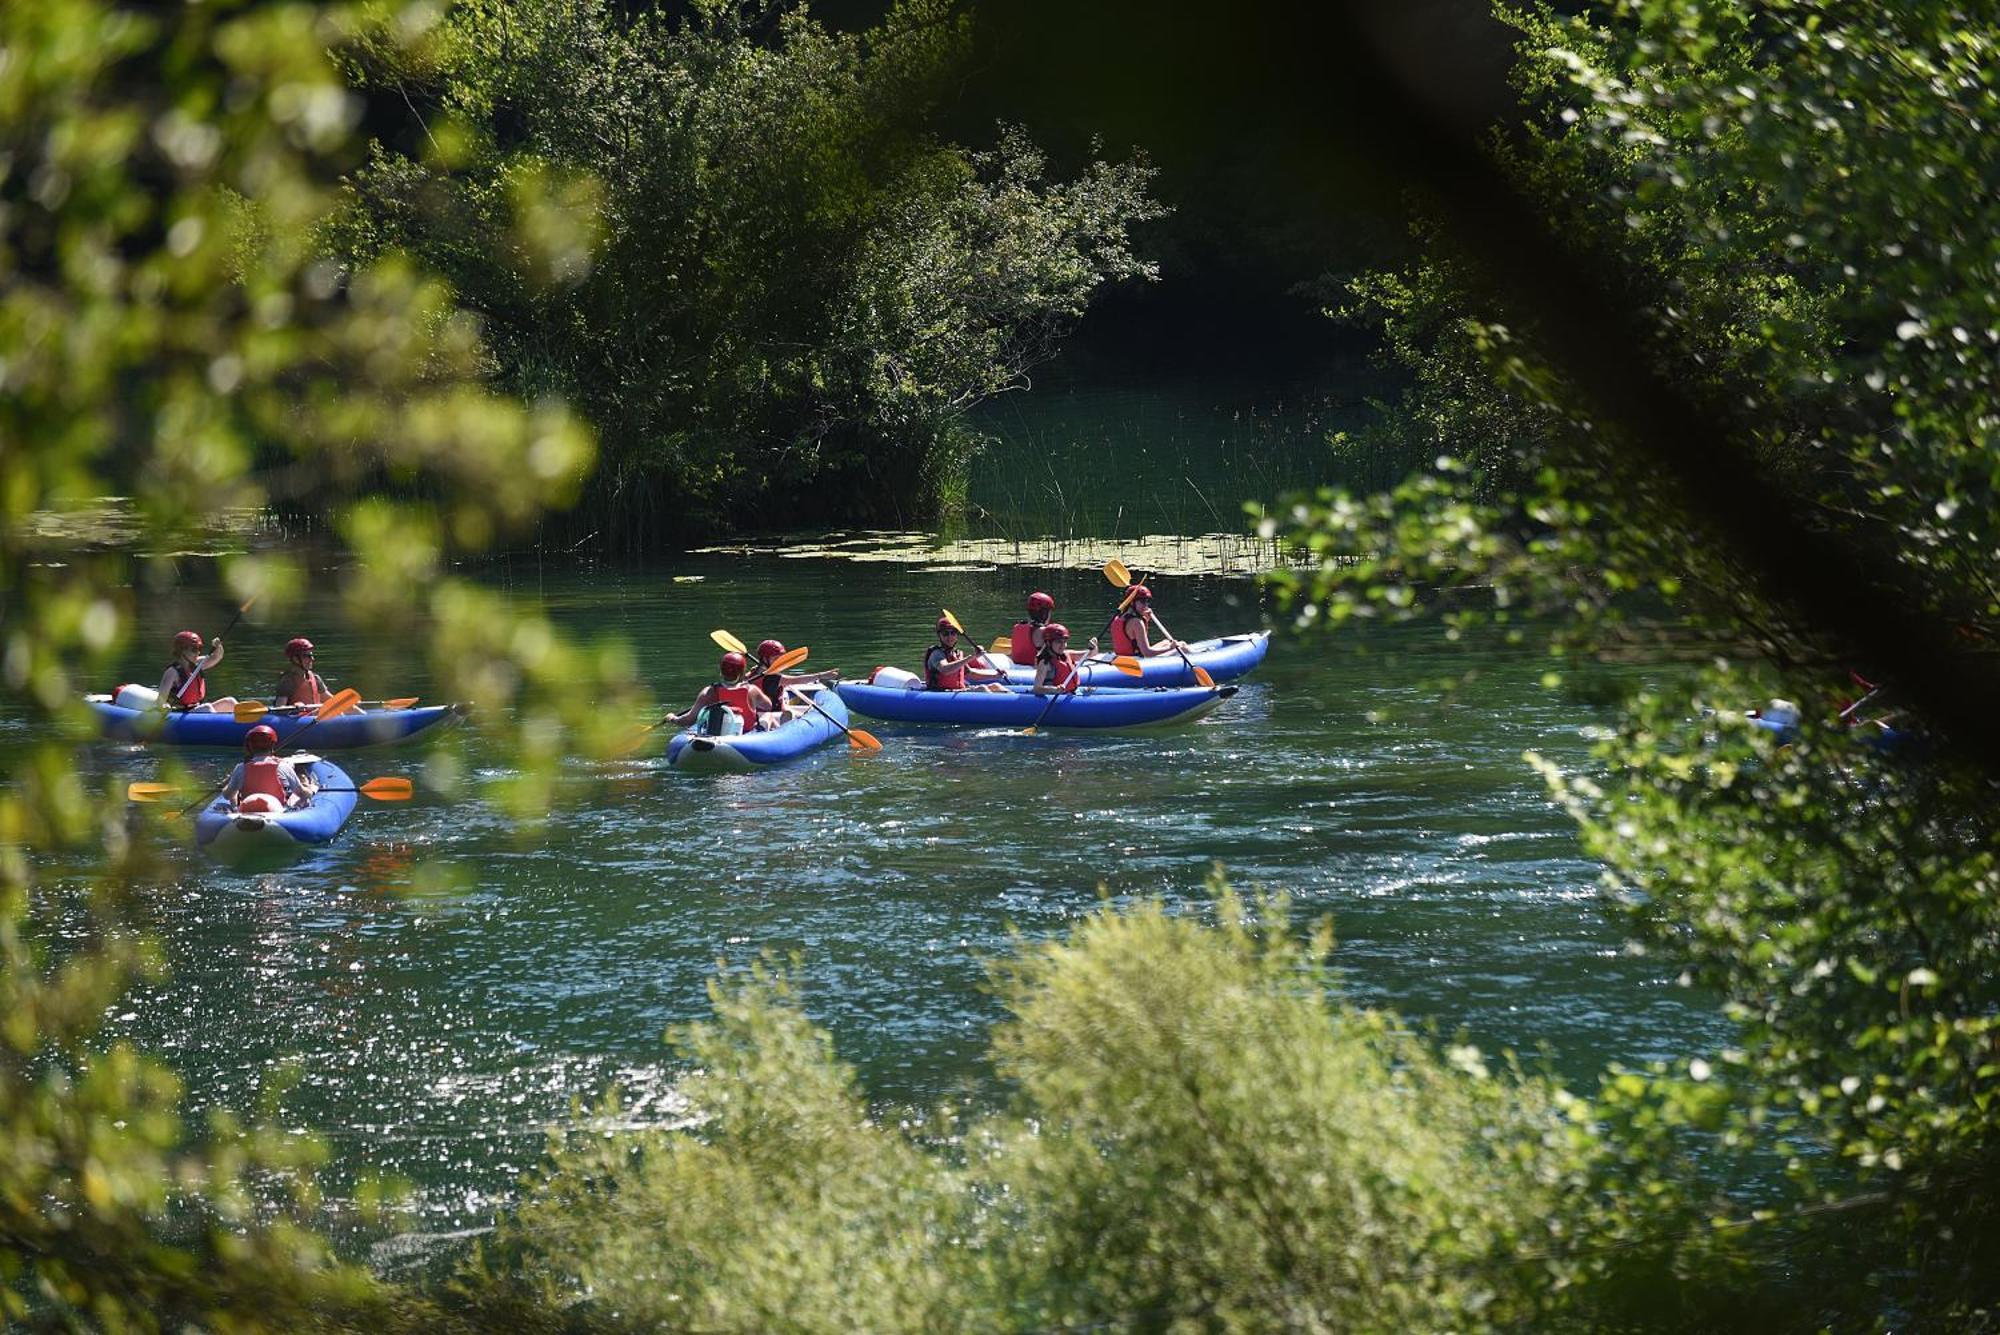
{"x":1129,"y":633}
{"x":774,"y":684}
{"x":184,"y":688}
{"x":947,"y":668}
{"x":1025,"y":642}
{"x":265,"y":782}
{"x":1055,"y":666}
{"x":301,"y":687}
{"x":731,"y":704}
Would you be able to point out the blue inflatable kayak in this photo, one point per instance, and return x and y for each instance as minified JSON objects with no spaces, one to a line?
{"x":1019,"y":707}
{"x":1224,"y":659}
{"x":343,"y":732}
{"x":1877,"y":736}
{"x":699,"y":754}
{"x":238,"y":839}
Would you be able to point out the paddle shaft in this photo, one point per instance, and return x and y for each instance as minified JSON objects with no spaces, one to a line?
{"x":1161,"y":627}
{"x":814,"y":705}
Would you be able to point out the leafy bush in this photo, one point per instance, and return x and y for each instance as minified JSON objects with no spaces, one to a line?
{"x":773,"y":293}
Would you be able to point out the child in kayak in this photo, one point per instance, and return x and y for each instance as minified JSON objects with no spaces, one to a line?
{"x":266,"y":782}
{"x":184,"y":688}
{"x":1024,"y":644}
{"x":946,"y":668}
{"x":1128,"y":628}
{"x":729,"y":706}
{"x":1055,"y":666}
{"x":773,"y":684}
{"x":301,"y":687}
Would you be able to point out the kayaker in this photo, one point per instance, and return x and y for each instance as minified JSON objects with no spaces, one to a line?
{"x":731,"y":704}
{"x":266,"y":782}
{"x":1025,"y":644}
{"x":948,"y":669}
{"x":773,"y":684}
{"x":184,"y":688}
{"x":1055,"y":666}
{"x":1129,"y":634}
{"x":301,"y":686}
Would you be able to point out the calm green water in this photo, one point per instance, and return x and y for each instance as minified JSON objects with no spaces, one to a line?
{"x":440,"y":1035}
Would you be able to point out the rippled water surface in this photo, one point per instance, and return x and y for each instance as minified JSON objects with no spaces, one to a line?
{"x":440,"y":1034}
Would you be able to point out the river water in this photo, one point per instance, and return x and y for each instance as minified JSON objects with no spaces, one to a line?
{"x":448,"y":989}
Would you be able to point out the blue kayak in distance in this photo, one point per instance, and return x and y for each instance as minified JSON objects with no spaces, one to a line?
{"x":1019,"y":707}
{"x":698,"y":753}
{"x":1224,"y":659}
{"x":244,"y":839}
{"x":342,"y":732}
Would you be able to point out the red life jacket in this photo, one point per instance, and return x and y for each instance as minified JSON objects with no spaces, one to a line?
{"x":1062,"y":671}
{"x":261,"y":775}
{"x":934,"y":680}
{"x":192,"y":690}
{"x":1123,"y":641}
{"x":311,"y":691}
{"x":1023,"y":650}
{"x":737,"y":697}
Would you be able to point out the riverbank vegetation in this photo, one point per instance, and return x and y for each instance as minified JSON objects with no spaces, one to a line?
{"x":730,"y":240}
{"x":1776,"y":221}
{"x":1745,"y":368}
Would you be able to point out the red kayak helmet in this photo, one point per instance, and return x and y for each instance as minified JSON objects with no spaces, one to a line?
{"x":1041,"y":602}
{"x":945,"y":626}
{"x":733,"y":665}
{"x":1137,"y":592}
{"x":769,"y":650}
{"x":263,"y":737}
{"x":1055,"y":630}
{"x":188,"y":638}
{"x":298,"y":645}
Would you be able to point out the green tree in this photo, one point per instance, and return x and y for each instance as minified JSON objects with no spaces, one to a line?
{"x":169,"y":329}
{"x":772,"y":291}
{"x":1794,"y":202}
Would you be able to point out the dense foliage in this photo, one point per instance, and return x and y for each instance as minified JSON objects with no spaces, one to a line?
{"x":165,"y":319}
{"x":1795,"y":203}
{"x":1203,"y":1133}
{"x":747,"y":262}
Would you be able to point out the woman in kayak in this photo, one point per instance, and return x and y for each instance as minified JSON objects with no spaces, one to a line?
{"x":1128,"y":629}
{"x":774,"y":684}
{"x":1025,"y":644}
{"x":1055,"y":666}
{"x":946,"y":668}
{"x":184,"y":688}
{"x":301,"y":686}
{"x":731,"y":705}
{"x":266,"y":782}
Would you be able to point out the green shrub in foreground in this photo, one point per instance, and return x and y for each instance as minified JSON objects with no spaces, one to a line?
{"x":1202,"y":1133}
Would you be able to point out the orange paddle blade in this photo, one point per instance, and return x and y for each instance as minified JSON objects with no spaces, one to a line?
{"x":1130,"y":666}
{"x":339,"y":703}
{"x":727,"y":641}
{"x":148,"y":792}
{"x":389,"y":789}
{"x":863,"y":740}
{"x":791,"y":658}
{"x":249,"y":711}
{"x":403,"y":703}
{"x":1201,"y":675}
